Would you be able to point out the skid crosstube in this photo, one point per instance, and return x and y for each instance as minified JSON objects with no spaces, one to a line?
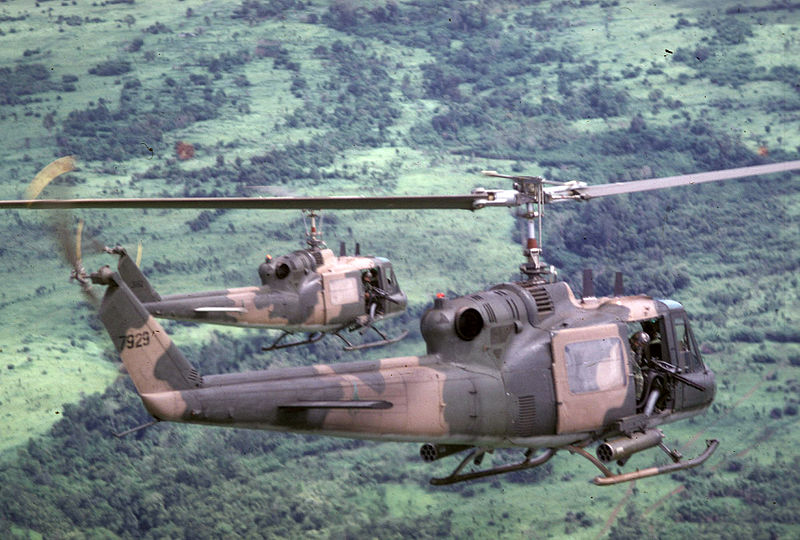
{"x":477,"y":455}
{"x":610,"y":479}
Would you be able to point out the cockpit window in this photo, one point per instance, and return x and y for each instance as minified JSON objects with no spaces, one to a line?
{"x":391,"y":281}
{"x":687,"y":350}
{"x":595,"y":365}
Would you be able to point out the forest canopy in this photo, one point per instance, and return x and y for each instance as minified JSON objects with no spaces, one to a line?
{"x":394,"y":97}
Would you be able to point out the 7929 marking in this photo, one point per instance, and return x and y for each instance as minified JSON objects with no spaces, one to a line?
{"x":135,"y":340}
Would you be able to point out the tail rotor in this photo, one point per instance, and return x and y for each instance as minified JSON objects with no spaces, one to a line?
{"x":71,"y":250}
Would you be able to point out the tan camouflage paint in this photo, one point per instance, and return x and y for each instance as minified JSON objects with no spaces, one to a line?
{"x":169,"y":406}
{"x":585,"y":411}
{"x":140,"y":362}
{"x":327,"y":313}
{"x":415,"y":392}
{"x":418,"y":398}
{"x":156,"y":367}
{"x":639,"y":307}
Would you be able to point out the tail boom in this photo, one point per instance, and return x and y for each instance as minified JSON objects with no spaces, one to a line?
{"x":152,"y":360}
{"x":400,"y":399}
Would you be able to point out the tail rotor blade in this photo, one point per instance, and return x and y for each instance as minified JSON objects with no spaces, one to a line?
{"x":71,"y":249}
{"x":139,"y":254}
{"x":78,"y":235}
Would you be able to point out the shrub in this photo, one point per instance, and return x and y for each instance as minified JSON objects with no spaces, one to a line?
{"x":111,"y":68}
{"x":748,"y":335}
{"x":763,"y":358}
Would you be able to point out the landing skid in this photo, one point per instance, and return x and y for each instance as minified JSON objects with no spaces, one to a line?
{"x":609,"y":478}
{"x":383,"y":341}
{"x":276,"y":345}
{"x":476,"y":456}
{"x":316,"y":336}
{"x":134,"y":430}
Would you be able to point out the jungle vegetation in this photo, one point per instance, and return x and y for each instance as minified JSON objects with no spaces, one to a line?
{"x":309,"y":97}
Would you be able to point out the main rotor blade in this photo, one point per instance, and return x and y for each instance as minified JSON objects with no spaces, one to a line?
{"x":423,"y":202}
{"x":602,"y":190}
{"x":48,"y":174}
{"x":476,"y":200}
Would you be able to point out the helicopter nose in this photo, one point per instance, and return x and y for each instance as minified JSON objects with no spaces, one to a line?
{"x":399,"y":301}
{"x":712,"y":386}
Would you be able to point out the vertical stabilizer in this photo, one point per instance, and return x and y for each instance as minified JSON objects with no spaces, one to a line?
{"x":135,"y":280}
{"x":154,"y":363}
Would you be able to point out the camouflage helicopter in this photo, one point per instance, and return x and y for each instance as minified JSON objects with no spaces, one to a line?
{"x":309,"y":291}
{"x":523,"y":364}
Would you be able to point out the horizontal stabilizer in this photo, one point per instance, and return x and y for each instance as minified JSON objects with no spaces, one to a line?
{"x":348,"y":404}
{"x":220,"y":310}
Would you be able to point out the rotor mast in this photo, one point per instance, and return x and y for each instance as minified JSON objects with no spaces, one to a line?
{"x":534,"y":269}
{"x":529,"y":196}
{"x":314,"y":235}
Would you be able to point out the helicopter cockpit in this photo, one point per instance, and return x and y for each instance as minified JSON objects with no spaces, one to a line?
{"x":382,"y":292}
{"x":664,"y":349}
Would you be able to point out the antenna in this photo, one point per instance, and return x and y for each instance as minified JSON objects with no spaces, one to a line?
{"x":588,"y":283}
{"x":619,"y":288}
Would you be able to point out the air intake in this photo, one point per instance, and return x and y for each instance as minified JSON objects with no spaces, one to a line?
{"x":526,"y":419}
{"x":544,"y":304}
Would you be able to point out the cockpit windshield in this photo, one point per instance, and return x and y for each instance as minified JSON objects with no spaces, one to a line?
{"x":688,"y":354}
{"x":391,"y":280}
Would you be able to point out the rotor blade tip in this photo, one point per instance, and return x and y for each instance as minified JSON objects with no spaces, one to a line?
{"x":49,"y":173}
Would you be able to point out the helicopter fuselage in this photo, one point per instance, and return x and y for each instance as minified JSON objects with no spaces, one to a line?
{"x":305,"y":291}
{"x":521,"y":364}
{"x":516,"y":365}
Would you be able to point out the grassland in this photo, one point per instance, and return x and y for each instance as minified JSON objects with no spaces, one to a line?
{"x":736,"y":244}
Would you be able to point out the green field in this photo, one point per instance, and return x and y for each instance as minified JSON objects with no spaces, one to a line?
{"x":349,"y":97}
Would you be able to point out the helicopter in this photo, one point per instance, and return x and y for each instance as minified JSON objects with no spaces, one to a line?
{"x":311,"y":290}
{"x":524,"y":364}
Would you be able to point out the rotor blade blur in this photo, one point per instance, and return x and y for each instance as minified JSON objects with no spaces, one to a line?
{"x":78,"y":235}
{"x":70,"y":247}
{"x":423,"y":202}
{"x":602,"y":190}
{"x":48,"y":174}
{"x":91,"y":296}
